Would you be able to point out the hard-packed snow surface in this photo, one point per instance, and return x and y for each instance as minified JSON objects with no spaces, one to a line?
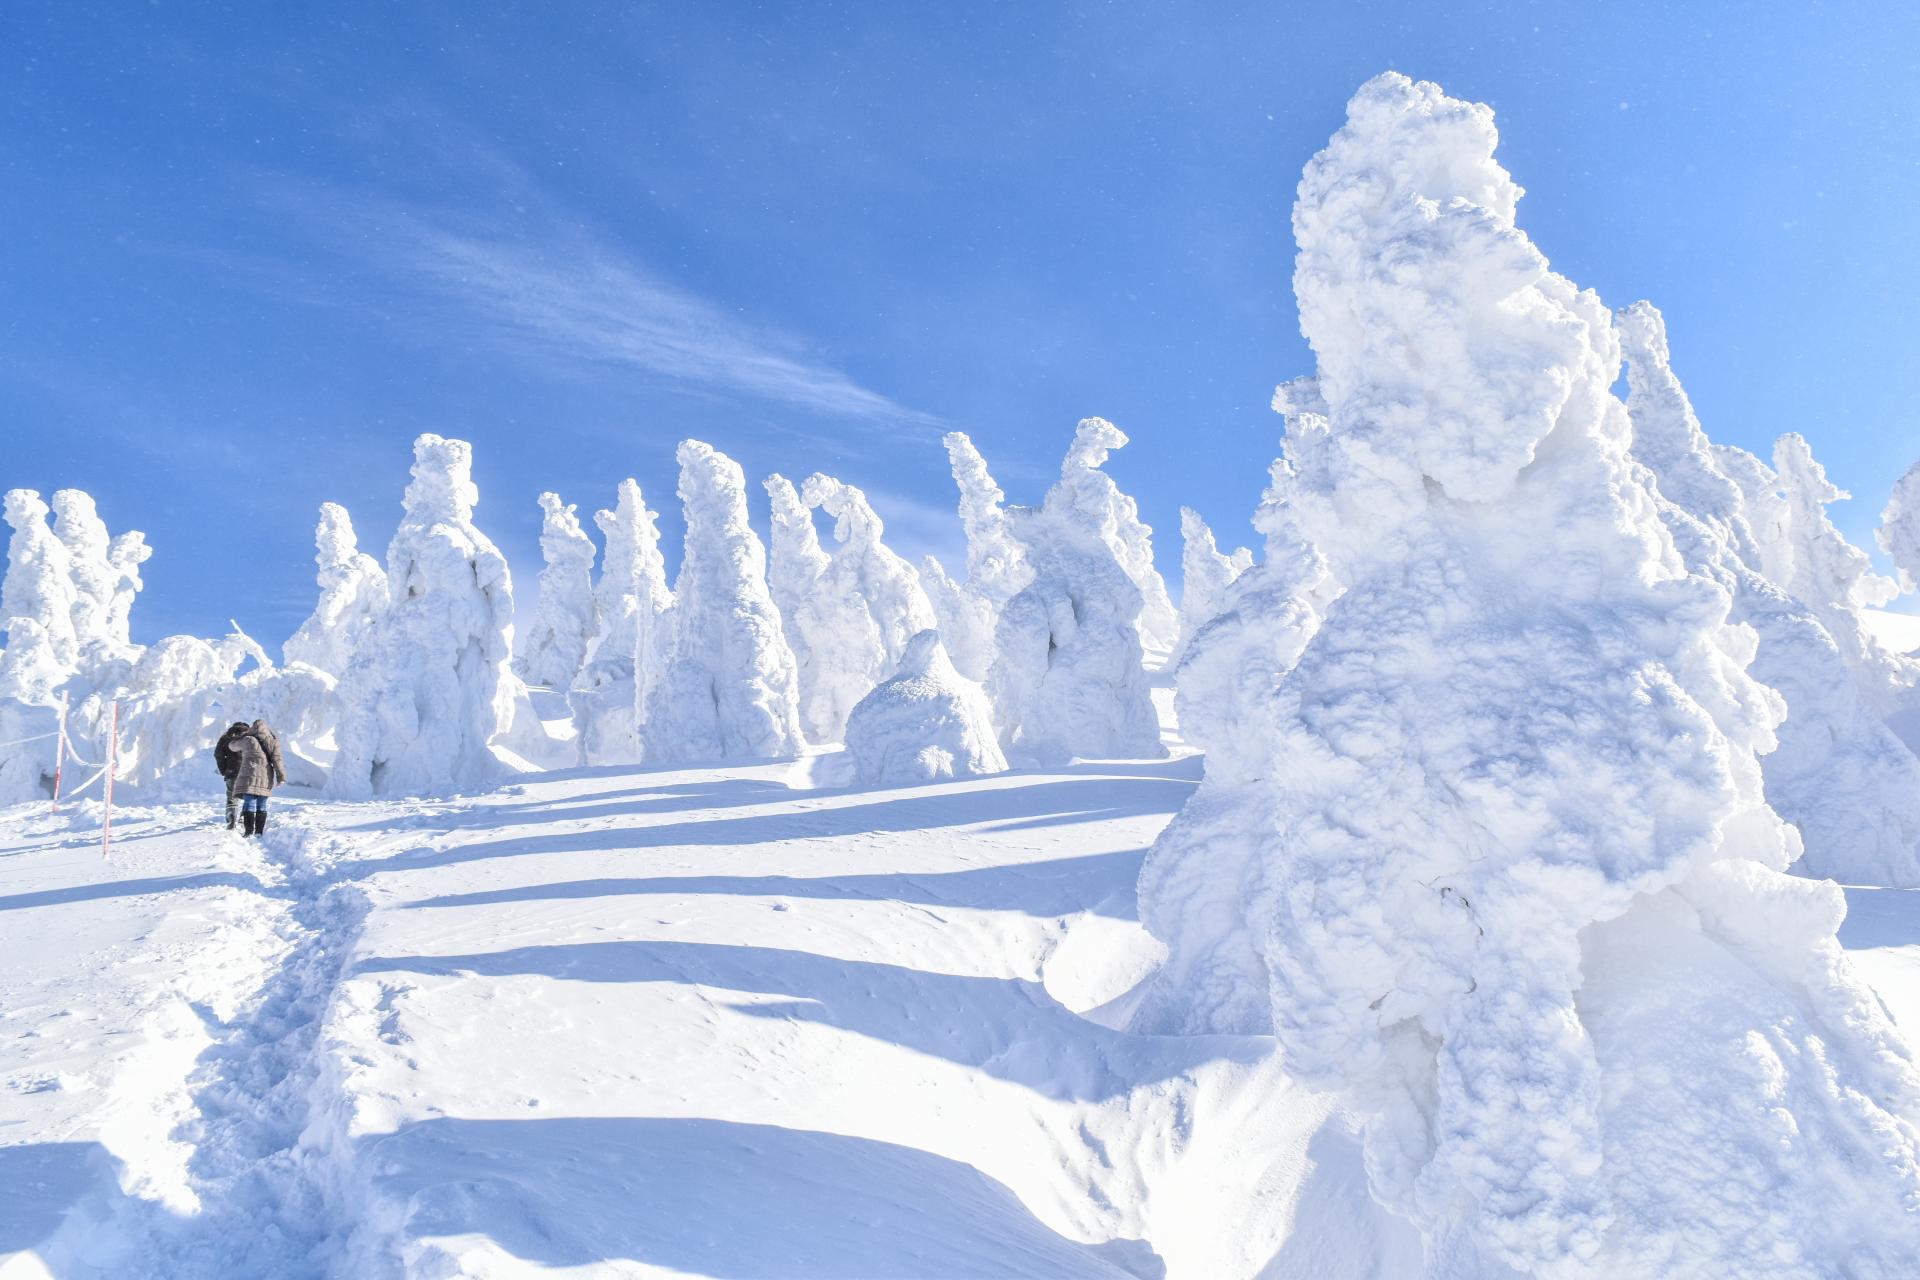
{"x":926,"y":721}
{"x":1496,"y":851}
{"x":727,"y":684}
{"x":431,"y":690}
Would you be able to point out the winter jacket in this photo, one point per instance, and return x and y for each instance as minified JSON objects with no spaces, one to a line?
{"x":259,"y":770}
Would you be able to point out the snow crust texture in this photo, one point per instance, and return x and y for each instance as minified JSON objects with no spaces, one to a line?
{"x":925,"y":722}
{"x":1496,"y":849}
{"x":728,"y":686}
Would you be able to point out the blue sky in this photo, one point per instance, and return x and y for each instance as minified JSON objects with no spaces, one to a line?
{"x":253,"y":250}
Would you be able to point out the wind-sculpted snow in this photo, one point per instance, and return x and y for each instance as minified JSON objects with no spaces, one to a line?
{"x":39,"y":581}
{"x":1100,"y":499}
{"x":996,"y":566}
{"x":1205,"y":575}
{"x":1068,"y":675}
{"x":1497,"y":843}
{"x":925,"y":722}
{"x":813,"y":620}
{"x":353,"y":596}
{"x":727,"y":685}
{"x":863,"y":606}
{"x":554,"y":647}
{"x":629,"y":608}
{"x":1839,"y":774}
{"x":431,"y":690}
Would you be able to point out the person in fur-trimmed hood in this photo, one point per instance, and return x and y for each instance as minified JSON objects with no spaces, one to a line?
{"x":257,"y":771}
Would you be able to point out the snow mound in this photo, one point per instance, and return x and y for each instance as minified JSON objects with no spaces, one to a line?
{"x":727,"y":685}
{"x":925,"y":722}
{"x":1497,"y":844}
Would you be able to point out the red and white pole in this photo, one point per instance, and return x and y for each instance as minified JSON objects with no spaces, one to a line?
{"x":113,"y":759}
{"x":60,"y":752}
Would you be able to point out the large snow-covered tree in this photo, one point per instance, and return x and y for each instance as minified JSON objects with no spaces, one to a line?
{"x":630,"y":602}
{"x":554,"y":645}
{"x":1068,"y":675}
{"x":1118,"y":515}
{"x":968,"y":609}
{"x":924,"y":722}
{"x":1899,"y":532}
{"x":353,"y":597}
{"x":428,"y":694}
{"x":727,"y":684}
{"x":1496,"y":848}
{"x":1205,"y":575}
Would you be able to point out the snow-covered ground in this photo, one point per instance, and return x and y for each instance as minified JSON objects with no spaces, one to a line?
{"x":632,"y":1022}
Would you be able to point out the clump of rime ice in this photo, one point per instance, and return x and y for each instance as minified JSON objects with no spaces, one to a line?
{"x":726,"y":688}
{"x":431,"y":690}
{"x":867,"y":604}
{"x":1205,"y":575}
{"x":1498,"y":842}
{"x":926,"y":721}
{"x":1068,"y":675}
{"x":353,"y":597}
{"x":997,"y":568}
{"x":630,"y":602}
{"x":1839,"y":774}
{"x":554,"y":647}
{"x":1099,"y":498}
{"x":39,"y":581}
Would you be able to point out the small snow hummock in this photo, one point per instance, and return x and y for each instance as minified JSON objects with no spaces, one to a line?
{"x":425,"y":698}
{"x":1069,"y":676}
{"x":926,"y":721}
{"x":551,"y":651}
{"x":353,"y":596}
{"x":1497,"y":845}
{"x":727,"y":687}
{"x":630,"y":603}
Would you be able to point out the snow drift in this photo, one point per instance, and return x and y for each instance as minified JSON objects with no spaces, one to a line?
{"x":1496,"y":849}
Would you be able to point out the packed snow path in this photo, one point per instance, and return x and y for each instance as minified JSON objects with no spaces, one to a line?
{"x":638,"y":1023}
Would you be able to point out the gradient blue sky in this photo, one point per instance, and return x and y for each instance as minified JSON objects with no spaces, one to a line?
{"x":251,"y":250}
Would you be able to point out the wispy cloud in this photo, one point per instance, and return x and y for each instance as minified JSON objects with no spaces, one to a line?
{"x":535,"y":286}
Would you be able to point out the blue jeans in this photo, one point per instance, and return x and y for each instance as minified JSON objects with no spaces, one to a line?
{"x":253,"y":804}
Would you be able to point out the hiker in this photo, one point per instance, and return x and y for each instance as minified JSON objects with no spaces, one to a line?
{"x":228,"y":763}
{"x":258,"y":772}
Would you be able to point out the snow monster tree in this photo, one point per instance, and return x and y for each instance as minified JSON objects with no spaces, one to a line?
{"x":1496,"y":847}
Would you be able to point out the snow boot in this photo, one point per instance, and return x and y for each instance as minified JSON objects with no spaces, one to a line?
{"x":259,"y":821}
{"x":247,"y":816}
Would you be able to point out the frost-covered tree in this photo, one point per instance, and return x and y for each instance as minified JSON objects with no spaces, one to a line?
{"x":432,"y":689}
{"x":1205,"y":575}
{"x":996,"y":566}
{"x":97,"y":580}
{"x":926,"y":721}
{"x":1120,"y":525}
{"x":1899,"y":532}
{"x":809,"y":616}
{"x":353,"y":597}
{"x":1839,"y":774}
{"x":865,"y":605}
{"x":39,"y":580}
{"x":1068,"y":675}
{"x":555,"y":645}
{"x":630,"y":602}
{"x":727,"y":685}
{"x":1498,"y":841}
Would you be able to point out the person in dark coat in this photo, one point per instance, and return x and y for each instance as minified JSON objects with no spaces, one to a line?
{"x":228,"y":763}
{"x":257,"y":773}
